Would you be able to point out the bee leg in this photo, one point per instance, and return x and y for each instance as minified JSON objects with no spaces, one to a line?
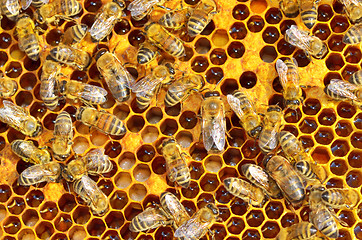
{"x":343,"y":223}
{"x":212,"y":234}
{"x":228,"y":134}
{"x":163,"y":7}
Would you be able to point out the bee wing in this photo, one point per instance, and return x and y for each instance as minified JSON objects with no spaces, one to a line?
{"x":36,"y":173}
{"x":123,"y":72}
{"x":91,"y":91}
{"x":12,"y":6}
{"x":139,"y":7}
{"x":342,"y":88}
{"x":145,"y":85}
{"x":180,"y":87}
{"x":152,"y":217}
{"x":49,"y":87}
{"x":298,"y":37}
{"x":11,"y":113}
{"x":235,"y":105}
{"x":88,"y":190}
{"x":282,"y":70}
{"x":102,"y":25}
{"x":96,"y":159}
{"x":25,"y":4}
{"x":214,"y":132}
{"x":191,"y":229}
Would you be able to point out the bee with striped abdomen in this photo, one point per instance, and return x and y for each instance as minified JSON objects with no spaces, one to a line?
{"x":176,"y":163}
{"x":342,"y":90}
{"x":147,"y":87}
{"x":27,"y":151}
{"x":288,"y":180}
{"x":115,"y":75}
{"x":19,"y":119}
{"x":10,"y":8}
{"x":175,"y":19}
{"x":90,"y":94}
{"x":302,"y":230}
{"x":28,"y":39}
{"x":63,"y":135}
{"x":353,"y":35}
{"x":182,"y":88}
{"x":269,"y":135}
{"x":103,"y":121}
{"x":174,"y":208}
{"x":36,"y":3}
{"x":71,"y":56}
{"x":109,"y":14}
{"x":310,"y":44}
{"x":141,"y":8}
{"x":8,"y":87}
{"x":213,"y":126}
{"x":49,"y":86}
{"x":244,"y":190}
{"x":256,"y":175}
{"x":94,"y":162}
{"x":74,"y":34}
{"x":290,"y":8}
{"x":58,"y":9}
{"x":308,"y":12}
{"x":198,"y":225}
{"x":244,"y":109}
{"x":201,"y":15}
{"x":289,"y":79}
{"x":45,"y":172}
{"x":341,"y":198}
{"x":163,"y":39}
{"x":356,"y":78}
{"x":146,"y":52}
{"x":353,"y":9}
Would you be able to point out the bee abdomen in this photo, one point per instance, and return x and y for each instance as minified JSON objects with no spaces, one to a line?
{"x":70,"y":7}
{"x":333,"y":196}
{"x":265,"y":142}
{"x":111,"y":124}
{"x":305,"y":168}
{"x":353,"y":35}
{"x":145,"y":55}
{"x":17,"y":148}
{"x":356,"y":78}
{"x":172,"y":99}
{"x":143,"y":102}
{"x":119,"y":91}
{"x":196,"y":24}
{"x":309,"y":17}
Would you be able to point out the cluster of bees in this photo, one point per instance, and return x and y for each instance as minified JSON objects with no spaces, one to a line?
{"x":284,"y":174}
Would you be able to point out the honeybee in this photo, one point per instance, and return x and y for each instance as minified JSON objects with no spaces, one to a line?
{"x":292,"y":147}
{"x":197,"y":226}
{"x":268,"y":139}
{"x":27,"y":151}
{"x":103,"y":121}
{"x":75,"y":90}
{"x":288,"y":180}
{"x":353,"y":35}
{"x":244,"y":190}
{"x":244,"y":109}
{"x":10,"y":8}
{"x":356,"y":78}
{"x":94,"y":162}
{"x":310,"y":44}
{"x":320,"y":216}
{"x":201,"y":16}
{"x":289,"y":79}
{"x":176,"y":165}
{"x":181,"y":88}
{"x":115,"y":75}
{"x":146,"y":53}
{"x":45,"y":172}
{"x":340,"y":198}
{"x":146,"y":87}
{"x":58,"y":9}
{"x":36,"y":3}
{"x":19,"y":119}
{"x":150,"y":218}
{"x":49,"y":88}
{"x":213,"y":122}
{"x":107,"y":17}
{"x":163,"y":39}
{"x":175,"y":19}
{"x":71,"y":56}
{"x":8,"y":87}
{"x":63,"y":135}
{"x":308,"y":12}
{"x":174,"y":208}
{"x":353,"y":9}
{"x":27,"y":39}
{"x":290,"y":8}
{"x":261,"y":179}
{"x":141,"y":8}
{"x":342,"y":90}
{"x":302,"y":230}
{"x":74,"y":34}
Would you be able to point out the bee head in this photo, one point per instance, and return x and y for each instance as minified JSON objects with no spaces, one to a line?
{"x":100,"y":53}
{"x":121,"y":3}
{"x":66,"y":175}
{"x":292,"y":104}
{"x":213,"y":208}
{"x":212,"y":94}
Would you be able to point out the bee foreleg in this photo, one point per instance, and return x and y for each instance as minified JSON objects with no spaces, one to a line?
{"x":228,"y":134}
{"x":212,"y":234}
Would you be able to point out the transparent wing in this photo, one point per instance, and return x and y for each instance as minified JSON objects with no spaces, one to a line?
{"x":25,"y":4}
{"x":140,"y":7}
{"x":123,"y":72}
{"x":191,"y":229}
{"x":88,"y":190}
{"x":102,"y":26}
{"x":90,"y":92}
{"x":150,"y":217}
{"x":12,"y":6}
{"x":282,"y":70}
{"x":12,"y":114}
{"x":260,"y":176}
{"x":219,"y":131}
{"x":180,"y":87}
{"x":47,"y":87}
{"x":37,"y":173}
{"x":97,"y":160}
{"x":145,"y":85}
{"x":342,"y":88}
{"x":298,"y":37}
{"x":235,"y":105}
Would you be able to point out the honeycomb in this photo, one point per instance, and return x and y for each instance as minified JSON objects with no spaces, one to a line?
{"x":237,"y":49}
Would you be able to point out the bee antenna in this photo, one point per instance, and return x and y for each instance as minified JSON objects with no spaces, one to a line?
{"x":217,"y":84}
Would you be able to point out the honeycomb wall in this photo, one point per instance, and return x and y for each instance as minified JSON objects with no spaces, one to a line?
{"x":237,"y":49}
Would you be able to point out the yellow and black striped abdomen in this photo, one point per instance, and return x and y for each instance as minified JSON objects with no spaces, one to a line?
{"x":110,"y":124}
{"x":9,"y":6}
{"x":353,"y":35}
{"x":197,"y":23}
{"x":174,"y":46}
{"x":144,"y":101}
{"x":31,"y":46}
{"x":305,"y":168}
{"x":69,"y":7}
{"x":173,"y":98}
{"x":145,"y":55}
{"x":289,"y":143}
{"x":178,"y":168}
{"x":309,"y":14}
{"x":117,"y":84}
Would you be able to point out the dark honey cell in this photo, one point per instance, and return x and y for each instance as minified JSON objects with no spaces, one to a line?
{"x":145,"y":153}
{"x":270,"y":229}
{"x":113,"y":149}
{"x":311,"y":106}
{"x":348,"y":71}
{"x":12,"y":225}
{"x":23,"y":99}
{"x":204,"y":199}
{"x":343,"y":128}
{"x":229,"y":86}
{"x":268,"y":54}
{"x":334,"y":183}
{"x":325,"y":13}
{"x":136,"y":37}
{"x":220,"y":231}
{"x":169,"y":127}
{"x":192,"y":191}
{"x":340,"y":148}
{"x":88,"y":20}
{"x":346,"y":110}
{"x":232,"y":156}
{"x":34,"y":198}
{"x":196,"y":170}
{"x":81,"y":215}
{"x":122,"y":27}
{"x":222,"y":195}
{"x":189,"y":53}
{"x":308,"y":125}
{"x":255,"y":218}
{"x":273,"y":16}
{"x":270,"y":35}
{"x":13,"y":135}
{"x":339,"y":24}
{"x":274,"y":210}
{"x":218,"y":56}
{"x":236,"y":49}
{"x":28,"y":81}
{"x":63,"y":222}
{"x":251,"y":234}
{"x":321,"y":155}
{"x":355,"y":159}
{"x":209,"y":182}
{"x":202,"y":45}
{"x":53,"y":37}
{"x":321,"y":31}
{"x":238,"y":31}
{"x":352,"y":55}
{"x":248,"y":79}
{"x":324,"y":136}
{"x":354,"y":179}
{"x":335,"y":43}
{"x":358,"y":121}
{"x":199,"y":64}
{"x":198,"y":152}
{"x":96,"y":227}
{"x":356,"y":140}
{"x":285,"y":25}
{"x":235,"y":225}
{"x":334,"y":62}
{"x":49,"y":210}
{"x":214,"y":75}
{"x":114,"y":220}
{"x":44,"y":230}
{"x":13,"y":69}
{"x":135,"y":123}
{"x":139,"y":23}
{"x":238,"y":207}
{"x":238,"y":137}
{"x":118,"y":200}
{"x":327,"y":117}
{"x":250,"y":149}
{"x":285,"y":48}
{"x":240,"y":12}
{"x":288,"y":220}
{"x":5,"y":40}
{"x":188,"y":120}
{"x":208,"y":29}
{"x":3,"y":58}
{"x":255,"y":24}
{"x":5,"y":193}
{"x":164,"y":233}
{"x":16,"y":205}
{"x":347,"y":217}
{"x":67,"y":202}
{"x":49,"y":121}
{"x":358,"y":231}
{"x":174,"y":110}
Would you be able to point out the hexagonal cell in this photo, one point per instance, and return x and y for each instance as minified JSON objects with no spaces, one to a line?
{"x":196,"y":170}
{"x":132,"y":210}
{"x":3,"y":213}
{"x":154,"y":115}
{"x":5,"y":40}
{"x":335,"y":43}
{"x":358,"y":121}
{"x":184,"y":138}
{"x":213,"y":164}
{"x":358,"y":231}
{"x":255,"y":24}
{"x":285,"y":48}
{"x":235,"y":225}
{"x":232,"y":156}
{"x":322,"y":31}
{"x":250,"y":149}
{"x":251,"y":234}
{"x":356,"y":140}
{"x":49,"y":210}
{"x":192,"y":191}
{"x":44,"y":230}
{"x":334,"y":62}
{"x":285,"y":25}
{"x":159,"y":165}
{"x":199,"y":64}
{"x":137,"y":192}
{"x":327,"y":117}
{"x":34,"y":198}
{"x":106,"y":186}
{"x":311,"y":106}
{"x":270,"y":229}
{"x":81,"y":215}
{"x":238,"y":206}
{"x":77,"y":233}
{"x":339,"y":24}
{"x":27,"y":234}
{"x":270,"y":35}
{"x":204,"y":199}
{"x":16,"y":205}
{"x":126,"y":160}
{"x":288,"y":220}
{"x":321,"y":155}
{"x":214,"y":75}
{"x":96,"y":227}
{"x":202,"y":45}
{"x":123,"y":180}
{"x":67,"y":202}
{"x":302,"y":59}
{"x":348,"y":70}
{"x":146,"y":153}
{"x":340,"y":148}
{"x":344,"y":234}
{"x":5,"y":193}
{"x":63,"y":222}
{"x":118,"y":200}
{"x":112,"y":149}
{"x":218,"y":56}
{"x":345,"y":110}
{"x":274,"y":210}
{"x":219,"y":230}
{"x":135,"y":123}
{"x":141,"y":172}
{"x":273,"y":16}
{"x":80,"y":145}
{"x":13,"y":70}
{"x":209,"y":182}
{"x":12,"y":225}
{"x":248,"y":79}
{"x":59,"y":236}
{"x":111,"y":234}
{"x":149,"y":134}
{"x":325,"y":12}
{"x":292,"y":116}
{"x":255,"y":218}
{"x":352,"y":54}
{"x":222,"y":195}
{"x":268,"y":54}
{"x":30,"y":217}
{"x":339,"y":167}
{"x":335,"y":183}
{"x":169,"y":127}
{"x":198,"y":152}
{"x":347,"y":217}
{"x":354,"y":178}
{"x":354,"y":159}
{"x":236,"y":50}
{"x":164,"y":233}
{"x":188,"y":120}
{"x":114,"y":220}
{"x":324,"y":136}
